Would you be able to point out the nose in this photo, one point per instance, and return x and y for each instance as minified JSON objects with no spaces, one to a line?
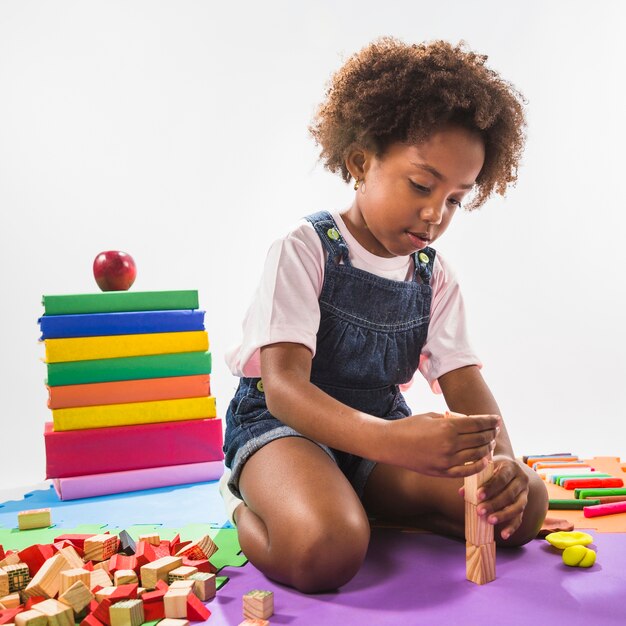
{"x":433,"y":212}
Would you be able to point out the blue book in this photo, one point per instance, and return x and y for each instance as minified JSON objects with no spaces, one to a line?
{"x":128,"y":323}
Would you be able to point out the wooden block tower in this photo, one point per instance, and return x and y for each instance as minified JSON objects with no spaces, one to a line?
{"x":480,"y":547}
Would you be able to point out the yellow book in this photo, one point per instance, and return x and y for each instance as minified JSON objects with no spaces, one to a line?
{"x":114,"y":346}
{"x":103,"y":416}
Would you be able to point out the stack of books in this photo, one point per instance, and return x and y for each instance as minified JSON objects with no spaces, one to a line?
{"x":129,"y":391}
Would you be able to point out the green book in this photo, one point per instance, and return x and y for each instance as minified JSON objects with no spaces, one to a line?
{"x":129,"y":368}
{"x":120,"y":301}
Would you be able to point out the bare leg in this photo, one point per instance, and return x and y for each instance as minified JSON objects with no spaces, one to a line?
{"x":302,"y":523}
{"x":434,"y":503}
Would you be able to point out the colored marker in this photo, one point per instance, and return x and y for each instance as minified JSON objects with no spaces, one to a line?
{"x":584,"y":483}
{"x":604,"y":509}
{"x":571,"y":505}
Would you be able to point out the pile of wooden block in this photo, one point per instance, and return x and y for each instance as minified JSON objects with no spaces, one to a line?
{"x":104,"y":579}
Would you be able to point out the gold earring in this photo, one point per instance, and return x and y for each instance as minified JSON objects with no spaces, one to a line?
{"x":357,"y":182}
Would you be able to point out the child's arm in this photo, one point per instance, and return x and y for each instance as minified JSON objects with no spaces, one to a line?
{"x":505,"y":495}
{"x":422,"y":443}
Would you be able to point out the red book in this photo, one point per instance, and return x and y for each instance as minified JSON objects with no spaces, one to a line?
{"x":98,"y":450}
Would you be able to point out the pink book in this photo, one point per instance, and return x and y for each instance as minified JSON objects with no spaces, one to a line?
{"x":122,"y":448}
{"x":107,"y":483}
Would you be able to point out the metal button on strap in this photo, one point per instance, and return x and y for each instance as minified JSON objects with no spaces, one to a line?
{"x":423,"y":257}
{"x":333,"y":234}
{"x":259,"y":386}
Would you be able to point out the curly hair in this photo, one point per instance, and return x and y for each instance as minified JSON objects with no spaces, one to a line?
{"x":395,"y":92}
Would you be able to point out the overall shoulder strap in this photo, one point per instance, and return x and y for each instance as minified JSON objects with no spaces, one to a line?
{"x":330,"y":236}
{"x":424,"y":261}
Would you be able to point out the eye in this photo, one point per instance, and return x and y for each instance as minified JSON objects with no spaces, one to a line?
{"x":419,"y":187}
{"x":454,"y":202}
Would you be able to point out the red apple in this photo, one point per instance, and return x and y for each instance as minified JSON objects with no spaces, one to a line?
{"x":114,"y":270}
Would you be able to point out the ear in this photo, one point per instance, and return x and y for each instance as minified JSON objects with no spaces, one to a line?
{"x":358,"y":161}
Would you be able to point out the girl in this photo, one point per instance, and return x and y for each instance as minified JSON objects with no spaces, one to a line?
{"x":351,"y":304}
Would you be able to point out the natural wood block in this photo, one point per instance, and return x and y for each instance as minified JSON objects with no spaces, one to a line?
{"x":58,"y":614}
{"x":12,"y":601}
{"x":72,"y":557}
{"x":258,"y":604}
{"x":478,"y":530}
{"x":175,"y":603}
{"x":31,"y":618}
{"x":203,"y":548}
{"x":99,"y":578}
{"x":183,"y":584}
{"x":70,"y":576}
{"x":105,"y":592}
{"x":35,"y":518}
{"x":204,"y":585}
{"x":100,"y":547}
{"x":170,"y":621}
{"x":254,"y":622}
{"x":46,"y":582}
{"x":125,"y":577}
{"x":11,"y":558}
{"x":77,"y":596}
{"x":127,"y":613}
{"x":181,"y":573}
{"x":4,"y":583}
{"x":471,"y":484}
{"x":18,"y":576}
{"x":480,"y":562}
{"x":153,"y":539}
{"x":158,"y":570}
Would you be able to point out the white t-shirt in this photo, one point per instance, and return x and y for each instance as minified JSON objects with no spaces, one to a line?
{"x":285,"y":306}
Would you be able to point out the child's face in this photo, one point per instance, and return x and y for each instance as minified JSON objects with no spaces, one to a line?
{"x":412,"y":191}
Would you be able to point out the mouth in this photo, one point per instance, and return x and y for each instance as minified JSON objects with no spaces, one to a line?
{"x":419,"y":240}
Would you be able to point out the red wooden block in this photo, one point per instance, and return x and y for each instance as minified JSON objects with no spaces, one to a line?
{"x":34,"y":556}
{"x":33,"y":600}
{"x":102,"y":611}
{"x":2,"y":555}
{"x":124,"y":592}
{"x":179,"y":546}
{"x":121,"y":561}
{"x":153,"y":596}
{"x":144,"y":553}
{"x":90,"y":620}
{"x":93,"y":605}
{"x":59,"y":545}
{"x":77,"y":540}
{"x":203,"y":565}
{"x":174,"y":545}
{"x":153,"y":610}
{"x":161,"y":585}
{"x":88,"y":566}
{"x":7,"y":616}
{"x":163,"y":549}
{"x":196,"y":611}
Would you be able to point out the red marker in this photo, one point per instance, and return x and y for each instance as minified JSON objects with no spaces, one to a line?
{"x":588,"y":483}
{"x":604,"y":509}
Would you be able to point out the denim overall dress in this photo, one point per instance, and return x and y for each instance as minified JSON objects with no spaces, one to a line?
{"x":372,"y":330}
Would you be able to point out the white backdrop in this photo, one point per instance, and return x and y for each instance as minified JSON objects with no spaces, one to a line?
{"x":177,"y":131}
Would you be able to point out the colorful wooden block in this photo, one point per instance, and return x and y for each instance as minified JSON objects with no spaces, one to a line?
{"x":204,"y":585}
{"x":31,"y":618}
{"x":74,"y":559}
{"x":18,"y":576}
{"x":127,"y":613}
{"x":100,"y":547}
{"x":196,"y":611}
{"x":58,"y":614}
{"x":153,"y":539}
{"x":127,"y":544}
{"x":104,"y":592}
{"x":175,"y":603}
{"x":481,"y":562}
{"x":46,"y":582}
{"x":99,"y":578}
{"x":36,"y":518}
{"x":90,"y":620}
{"x":183,"y":584}
{"x":258,"y":604}
{"x":12,"y":601}
{"x":181,"y":573}
{"x":202,"y":548}
{"x":122,"y":562}
{"x":70,"y":576}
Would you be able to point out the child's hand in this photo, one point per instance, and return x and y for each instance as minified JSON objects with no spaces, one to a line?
{"x":504,"y":496}
{"x":454,"y":447}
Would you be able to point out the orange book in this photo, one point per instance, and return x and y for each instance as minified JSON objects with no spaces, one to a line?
{"x":123,"y":391}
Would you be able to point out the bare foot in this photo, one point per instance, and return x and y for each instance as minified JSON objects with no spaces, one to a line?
{"x":553,"y":525}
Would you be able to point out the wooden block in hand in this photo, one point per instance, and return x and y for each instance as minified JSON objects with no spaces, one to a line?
{"x":478,"y":530}
{"x":480,"y":562}
{"x":472,"y":483}
{"x":204,"y":585}
{"x":31,"y":618}
{"x":77,"y":596}
{"x":127,"y":613}
{"x":58,"y":613}
{"x":125,"y":577}
{"x":258,"y":604}
{"x":175,"y":603}
{"x":36,"y":518}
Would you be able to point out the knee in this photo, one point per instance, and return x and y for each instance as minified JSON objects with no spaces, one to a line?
{"x":534,"y":513}
{"x":327,"y":555}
